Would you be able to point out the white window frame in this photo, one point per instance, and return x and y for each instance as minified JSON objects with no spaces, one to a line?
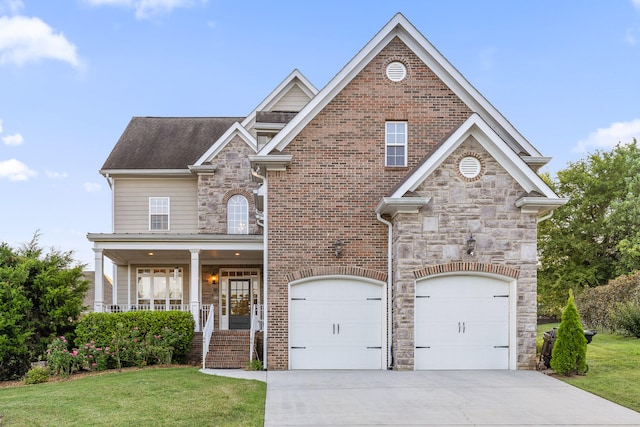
{"x":173,"y":278}
{"x":159,"y":206}
{"x":391,"y":140}
{"x":238,"y":215}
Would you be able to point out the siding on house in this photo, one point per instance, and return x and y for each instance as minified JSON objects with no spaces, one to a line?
{"x":131,"y":203}
{"x":294,"y":100}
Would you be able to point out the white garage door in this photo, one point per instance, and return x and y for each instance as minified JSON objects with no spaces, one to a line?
{"x":335,"y":324}
{"x":462,"y":322}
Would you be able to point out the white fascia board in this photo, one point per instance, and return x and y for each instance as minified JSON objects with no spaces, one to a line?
{"x":235,"y":129}
{"x":145,"y":172}
{"x":399,"y":26}
{"x":395,"y":205}
{"x":272,"y":162}
{"x":348,"y":72}
{"x":475,"y":126}
{"x":456,"y":81}
{"x":540,"y":205}
{"x":276,"y":95}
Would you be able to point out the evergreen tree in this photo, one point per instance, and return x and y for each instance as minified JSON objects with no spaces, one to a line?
{"x":569,"y":354}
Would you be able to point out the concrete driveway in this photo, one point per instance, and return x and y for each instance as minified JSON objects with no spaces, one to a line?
{"x":444,"y":398}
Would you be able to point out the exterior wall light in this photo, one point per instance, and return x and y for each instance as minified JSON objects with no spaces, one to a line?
{"x":214,"y":279}
{"x":338,"y":248}
{"x":471,"y":245}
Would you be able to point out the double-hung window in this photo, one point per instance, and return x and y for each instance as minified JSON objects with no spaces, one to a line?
{"x":396,"y":144}
{"x":158,"y":213}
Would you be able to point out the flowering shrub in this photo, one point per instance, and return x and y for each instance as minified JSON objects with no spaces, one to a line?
{"x":60,"y":360}
{"x":93,"y":358}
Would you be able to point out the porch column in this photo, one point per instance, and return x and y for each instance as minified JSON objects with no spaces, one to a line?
{"x":98,"y":281}
{"x":194,"y":285}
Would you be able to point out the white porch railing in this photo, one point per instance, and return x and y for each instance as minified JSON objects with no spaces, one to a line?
{"x":205,"y":309}
{"x":207,"y":332}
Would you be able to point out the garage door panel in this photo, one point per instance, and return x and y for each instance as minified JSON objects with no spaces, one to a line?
{"x":335,"y":357}
{"x":336,"y":324}
{"x":462,"y":322}
{"x":473,"y":357}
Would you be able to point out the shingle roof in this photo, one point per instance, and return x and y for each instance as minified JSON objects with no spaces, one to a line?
{"x":166,"y":142}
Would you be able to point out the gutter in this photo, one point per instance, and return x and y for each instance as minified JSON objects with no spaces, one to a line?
{"x":265,"y":270}
{"x":389,"y":293}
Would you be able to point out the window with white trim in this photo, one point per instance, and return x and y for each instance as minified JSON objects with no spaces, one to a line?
{"x":158,"y":213}
{"x":396,"y":144}
{"x":238,"y":215}
{"x":160,"y":288}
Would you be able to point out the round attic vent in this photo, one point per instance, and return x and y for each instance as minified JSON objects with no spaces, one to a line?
{"x":470,"y":167}
{"x":396,"y":71}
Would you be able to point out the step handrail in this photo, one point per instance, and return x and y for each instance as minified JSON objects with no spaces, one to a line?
{"x":207,"y":333}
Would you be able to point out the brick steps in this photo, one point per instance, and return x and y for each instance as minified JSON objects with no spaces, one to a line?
{"x":228,"y":350}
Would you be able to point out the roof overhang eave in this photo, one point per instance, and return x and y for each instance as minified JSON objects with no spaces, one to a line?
{"x":271,"y":162}
{"x":540,"y":205}
{"x":145,"y":172}
{"x":394,"y":205}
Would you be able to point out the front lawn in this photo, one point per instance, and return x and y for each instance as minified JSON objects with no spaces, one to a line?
{"x":614,"y":372}
{"x":142,"y":397}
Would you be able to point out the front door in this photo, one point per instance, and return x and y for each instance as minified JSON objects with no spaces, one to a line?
{"x":239,"y":303}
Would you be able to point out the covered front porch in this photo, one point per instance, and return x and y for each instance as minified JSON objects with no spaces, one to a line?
{"x":207,"y":275}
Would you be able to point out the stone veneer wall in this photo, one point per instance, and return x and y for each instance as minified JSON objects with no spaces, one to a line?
{"x":232,"y":176}
{"x":437,"y":235}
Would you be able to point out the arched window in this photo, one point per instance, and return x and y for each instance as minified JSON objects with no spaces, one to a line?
{"x":238,"y":215}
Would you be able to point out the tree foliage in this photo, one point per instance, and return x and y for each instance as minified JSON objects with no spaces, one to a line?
{"x":41,"y":298}
{"x":569,"y":354}
{"x":594,"y":237}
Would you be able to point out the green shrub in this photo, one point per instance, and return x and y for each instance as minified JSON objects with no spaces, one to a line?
{"x":60,"y":359}
{"x":37,"y":375}
{"x":598,"y":304}
{"x":626,"y":317}
{"x":255,"y":365}
{"x":569,"y":354}
{"x":136,"y":329}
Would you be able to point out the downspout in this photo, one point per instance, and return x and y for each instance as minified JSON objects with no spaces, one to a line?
{"x":544,"y":218}
{"x":265,"y":270}
{"x":389,"y":293}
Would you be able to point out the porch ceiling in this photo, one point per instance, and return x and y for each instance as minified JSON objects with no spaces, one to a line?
{"x":126,"y":249}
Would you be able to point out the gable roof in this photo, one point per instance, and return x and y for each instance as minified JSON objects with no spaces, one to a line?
{"x":235,"y":130}
{"x":538,"y":192}
{"x":295,"y":78}
{"x":400,"y":27}
{"x":166,"y":143}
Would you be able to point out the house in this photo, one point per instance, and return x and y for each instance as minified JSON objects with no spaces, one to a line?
{"x":386,"y":221}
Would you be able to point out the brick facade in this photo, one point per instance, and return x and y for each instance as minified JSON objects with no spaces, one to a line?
{"x":338,"y":176}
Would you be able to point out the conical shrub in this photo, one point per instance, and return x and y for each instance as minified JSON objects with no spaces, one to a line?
{"x":569,"y":354}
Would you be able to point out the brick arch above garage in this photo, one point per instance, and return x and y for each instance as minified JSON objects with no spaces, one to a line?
{"x":456,"y":267}
{"x":337,"y":270}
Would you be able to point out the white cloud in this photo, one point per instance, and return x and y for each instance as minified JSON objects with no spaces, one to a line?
{"x":11,"y":6}
{"x":91,"y":187}
{"x":608,"y":137}
{"x":0,"y":125}
{"x":15,"y":170}
{"x":636,"y":4}
{"x":144,"y":8}
{"x":15,"y":139}
{"x":52,"y":174}
{"x":24,"y":40}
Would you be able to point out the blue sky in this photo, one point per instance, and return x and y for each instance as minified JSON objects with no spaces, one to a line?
{"x":74,"y":72}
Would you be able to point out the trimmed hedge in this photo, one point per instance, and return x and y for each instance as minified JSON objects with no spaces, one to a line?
{"x":598,"y":304}
{"x":103,"y":327}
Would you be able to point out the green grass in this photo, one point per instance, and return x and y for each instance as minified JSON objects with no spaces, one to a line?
{"x":159,"y":397}
{"x":614,"y":368}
